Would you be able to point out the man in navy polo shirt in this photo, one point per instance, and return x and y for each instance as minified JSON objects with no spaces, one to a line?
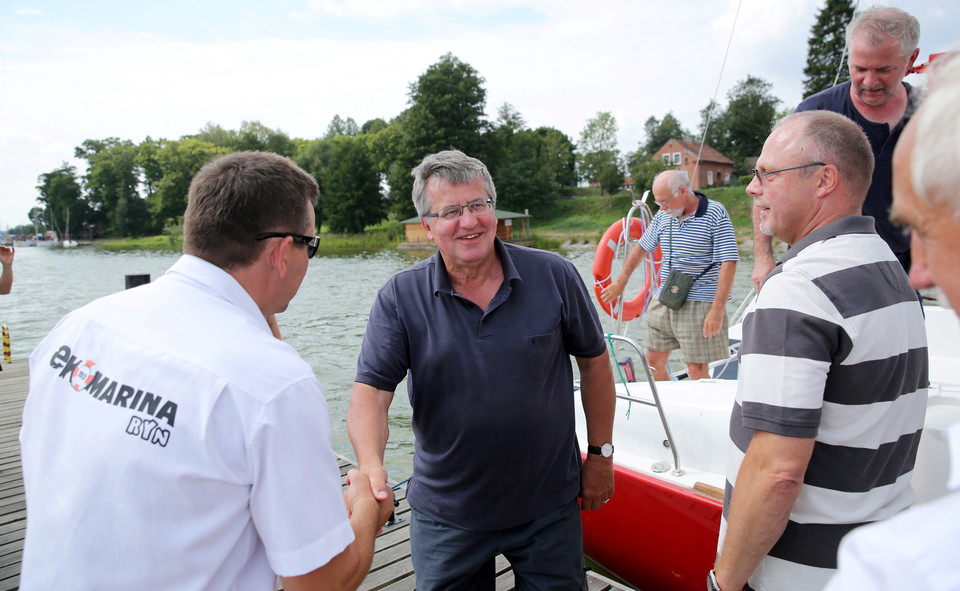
{"x":486,"y":331}
{"x":883,"y":44}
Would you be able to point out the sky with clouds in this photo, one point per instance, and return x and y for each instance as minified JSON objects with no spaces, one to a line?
{"x":71,"y":71}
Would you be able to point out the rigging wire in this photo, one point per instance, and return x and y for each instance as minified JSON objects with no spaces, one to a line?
{"x":713,"y":103}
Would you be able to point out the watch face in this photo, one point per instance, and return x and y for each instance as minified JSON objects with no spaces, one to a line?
{"x":606,"y":450}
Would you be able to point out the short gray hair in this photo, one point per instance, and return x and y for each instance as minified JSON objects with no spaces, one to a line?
{"x":935,"y":162}
{"x":452,"y":166}
{"x":879,"y":22}
{"x":831,"y":138}
{"x":677,"y":179}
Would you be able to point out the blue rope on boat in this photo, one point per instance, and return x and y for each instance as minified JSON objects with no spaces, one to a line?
{"x":401,"y":483}
{"x":623,"y":378}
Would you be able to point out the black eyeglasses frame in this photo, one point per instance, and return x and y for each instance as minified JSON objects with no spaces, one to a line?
{"x":488,"y":202}
{"x":760,"y":175}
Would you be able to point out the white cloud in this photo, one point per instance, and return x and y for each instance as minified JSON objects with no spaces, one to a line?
{"x":296,"y":64}
{"x":28,"y":12}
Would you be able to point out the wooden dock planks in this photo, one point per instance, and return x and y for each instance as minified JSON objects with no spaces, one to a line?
{"x":391,"y":570}
{"x":13,"y":506}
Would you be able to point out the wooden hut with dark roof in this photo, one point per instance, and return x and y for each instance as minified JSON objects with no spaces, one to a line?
{"x":511,"y":227}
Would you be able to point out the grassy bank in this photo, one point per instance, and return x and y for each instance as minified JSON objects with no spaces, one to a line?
{"x":577,"y":220}
{"x":384,"y":235}
{"x":158,"y":243}
{"x":584,"y":219}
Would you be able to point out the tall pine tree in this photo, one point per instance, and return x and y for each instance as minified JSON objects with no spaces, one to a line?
{"x":825,"y":47}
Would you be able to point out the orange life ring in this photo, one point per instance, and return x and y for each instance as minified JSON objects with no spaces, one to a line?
{"x":603,"y":263}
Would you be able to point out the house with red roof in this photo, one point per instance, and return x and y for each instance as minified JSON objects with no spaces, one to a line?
{"x":714,"y":170}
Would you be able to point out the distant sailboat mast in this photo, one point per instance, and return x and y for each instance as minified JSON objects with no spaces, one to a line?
{"x":67,"y":242}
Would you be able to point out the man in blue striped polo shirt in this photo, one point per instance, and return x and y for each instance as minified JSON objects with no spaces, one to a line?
{"x":697,"y":238}
{"x":833,"y":376}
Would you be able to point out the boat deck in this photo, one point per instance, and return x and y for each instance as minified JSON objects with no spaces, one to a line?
{"x":391,"y":569}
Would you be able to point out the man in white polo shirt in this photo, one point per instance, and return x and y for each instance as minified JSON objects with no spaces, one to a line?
{"x":169,"y":441}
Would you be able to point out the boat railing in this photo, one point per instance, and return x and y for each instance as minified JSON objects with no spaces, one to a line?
{"x":677,"y":471}
{"x":638,"y":207}
{"x":744,"y":305}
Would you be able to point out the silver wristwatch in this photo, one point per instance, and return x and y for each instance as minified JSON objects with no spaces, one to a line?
{"x":712,"y":581}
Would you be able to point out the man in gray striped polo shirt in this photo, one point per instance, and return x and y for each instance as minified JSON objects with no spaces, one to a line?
{"x":833,"y":377}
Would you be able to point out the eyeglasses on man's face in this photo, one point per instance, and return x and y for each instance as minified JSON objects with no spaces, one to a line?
{"x":447,"y":214}
{"x":663,"y":204}
{"x":312,"y":242}
{"x":760,"y":175}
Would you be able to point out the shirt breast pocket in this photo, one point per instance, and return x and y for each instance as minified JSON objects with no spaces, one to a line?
{"x":542,"y":352}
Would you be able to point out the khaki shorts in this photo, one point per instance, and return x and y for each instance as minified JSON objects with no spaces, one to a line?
{"x":683,"y":329}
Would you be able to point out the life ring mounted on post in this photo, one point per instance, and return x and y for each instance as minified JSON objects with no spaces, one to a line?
{"x":603,"y":265}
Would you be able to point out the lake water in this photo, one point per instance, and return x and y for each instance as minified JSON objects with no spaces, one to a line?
{"x":325,"y":322}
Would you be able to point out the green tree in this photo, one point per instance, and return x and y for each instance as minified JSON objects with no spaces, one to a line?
{"x":253,"y":135}
{"x":523,"y":178}
{"x":659,"y":132}
{"x":611,"y":178}
{"x":384,"y":145}
{"x":168,"y":167}
{"x":36,"y":215}
{"x":561,"y":156}
{"x":314,"y":157}
{"x":597,"y":148}
{"x":519,"y":163}
{"x":739,"y":131}
{"x":509,"y":119}
{"x":339,"y":126}
{"x":351,"y":187}
{"x":825,"y":47}
{"x":112,"y":183}
{"x":59,"y":192}
{"x":217,"y":136}
{"x":373,"y":126}
{"x":446,"y":111}
{"x":150,"y":169}
{"x":643,"y":169}
{"x":711,"y":127}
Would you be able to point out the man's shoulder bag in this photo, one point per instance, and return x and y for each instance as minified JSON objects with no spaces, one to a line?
{"x":674,"y":292}
{"x":675,"y":289}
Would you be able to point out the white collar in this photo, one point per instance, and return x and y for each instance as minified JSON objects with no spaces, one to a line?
{"x":214,"y":279}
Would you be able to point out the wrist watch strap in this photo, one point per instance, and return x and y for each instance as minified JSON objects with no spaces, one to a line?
{"x":712,"y":581}
{"x":605,"y":450}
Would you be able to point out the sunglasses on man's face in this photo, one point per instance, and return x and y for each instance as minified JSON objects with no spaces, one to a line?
{"x":311,"y":242}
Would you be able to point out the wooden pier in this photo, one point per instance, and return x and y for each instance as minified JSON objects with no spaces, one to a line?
{"x":392,"y":569}
{"x":13,"y":503}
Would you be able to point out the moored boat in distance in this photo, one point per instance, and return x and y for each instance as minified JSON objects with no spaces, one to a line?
{"x":48,"y":238}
